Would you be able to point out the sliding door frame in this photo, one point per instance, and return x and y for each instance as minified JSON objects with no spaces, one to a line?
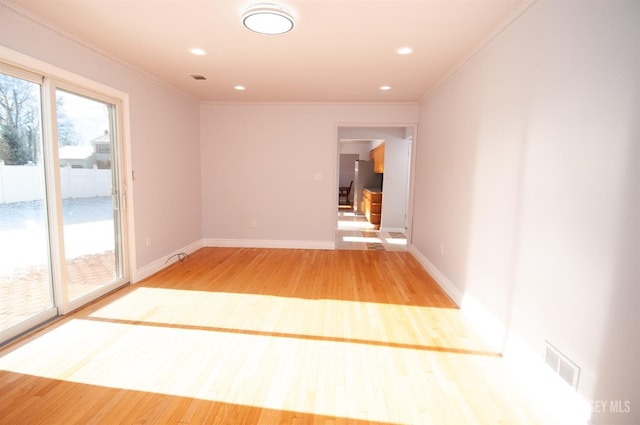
{"x":52,"y":311}
{"x":51,"y":86}
{"x":57,"y":78}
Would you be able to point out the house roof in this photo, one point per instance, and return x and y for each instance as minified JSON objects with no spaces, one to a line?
{"x":339,"y":50}
{"x":105,"y":138}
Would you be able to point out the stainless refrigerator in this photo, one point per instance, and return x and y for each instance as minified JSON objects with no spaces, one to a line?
{"x":364,"y":178}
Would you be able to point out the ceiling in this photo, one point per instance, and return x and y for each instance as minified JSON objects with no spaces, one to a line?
{"x":339,"y":51}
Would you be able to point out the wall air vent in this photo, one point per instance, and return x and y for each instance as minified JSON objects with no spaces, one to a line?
{"x":198,"y":77}
{"x":564,"y":367}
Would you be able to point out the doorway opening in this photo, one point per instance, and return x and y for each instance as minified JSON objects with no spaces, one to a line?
{"x":375,"y":162}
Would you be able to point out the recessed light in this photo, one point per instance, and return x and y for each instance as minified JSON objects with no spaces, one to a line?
{"x":197,"y":51}
{"x":385,"y":88}
{"x":239,"y":87}
{"x":268,"y":18}
{"x":404,"y":50}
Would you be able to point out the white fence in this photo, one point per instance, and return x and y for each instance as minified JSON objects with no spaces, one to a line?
{"x":21,"y":183}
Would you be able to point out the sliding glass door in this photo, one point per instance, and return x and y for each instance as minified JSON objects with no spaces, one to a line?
{"x":62,"y":224}
{"x":87,"y":152}
{"x":26,"y":294}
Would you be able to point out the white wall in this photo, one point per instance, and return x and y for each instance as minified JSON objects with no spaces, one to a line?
{"x":164,"y":136}
{"x":395,"y":184}
{"x":527,"y":172}
{"x":360,"y":148}
{"x":260,"y":161}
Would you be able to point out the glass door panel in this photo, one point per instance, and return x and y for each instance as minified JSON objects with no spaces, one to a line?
{"x":26,"y":295}
{"x":89,"y":190}
{"x":61,"y":225}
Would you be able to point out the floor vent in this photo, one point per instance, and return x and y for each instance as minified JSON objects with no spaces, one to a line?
{"x":564,"y":367}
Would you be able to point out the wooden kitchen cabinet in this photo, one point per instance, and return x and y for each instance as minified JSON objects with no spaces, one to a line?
{"x":377,"y":156}
{"x":372,"y":206}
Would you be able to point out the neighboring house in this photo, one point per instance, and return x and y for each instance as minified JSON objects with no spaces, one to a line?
{"x":97,"y":154}
{"x":102,"y":150}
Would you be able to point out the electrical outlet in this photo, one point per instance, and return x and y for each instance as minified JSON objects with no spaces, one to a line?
{"x":252,"y":223}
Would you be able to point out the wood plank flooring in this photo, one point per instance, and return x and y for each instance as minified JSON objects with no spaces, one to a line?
{"x":259,"y":336}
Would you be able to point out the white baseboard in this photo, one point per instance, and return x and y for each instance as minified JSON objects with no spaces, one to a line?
{"x":154,"y":267}
{"x":490,"y":327}
{"x":161,"y":263}
{"x":440,"y":278}
{"x":486,"y":323}
{"x":519,"y":356}
{"x":265,"y":243}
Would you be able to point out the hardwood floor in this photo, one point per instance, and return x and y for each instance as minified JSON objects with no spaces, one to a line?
{"x":248,"y":336}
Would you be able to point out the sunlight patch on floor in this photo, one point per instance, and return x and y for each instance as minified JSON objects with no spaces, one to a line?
{"x":355,"y":225}
{"x":205,"y":345}
{"x":361,"y":239}
{"x":396,"y":241}
{"x":349,"y":359}
{"x":254,"y":313}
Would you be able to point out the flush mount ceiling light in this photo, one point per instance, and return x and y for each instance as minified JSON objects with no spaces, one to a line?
{"x":268,"y":18}
{"x":385,"y":88}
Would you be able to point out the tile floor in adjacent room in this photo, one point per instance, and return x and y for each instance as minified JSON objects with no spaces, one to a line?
{"x":356,"y":233}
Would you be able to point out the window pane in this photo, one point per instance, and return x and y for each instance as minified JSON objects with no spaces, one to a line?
{"x":25,"y":278}
{"x":89,"y":196}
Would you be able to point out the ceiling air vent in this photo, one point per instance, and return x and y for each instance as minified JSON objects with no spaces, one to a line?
{"x":564,"y":367}
{"x":198,"y":77}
